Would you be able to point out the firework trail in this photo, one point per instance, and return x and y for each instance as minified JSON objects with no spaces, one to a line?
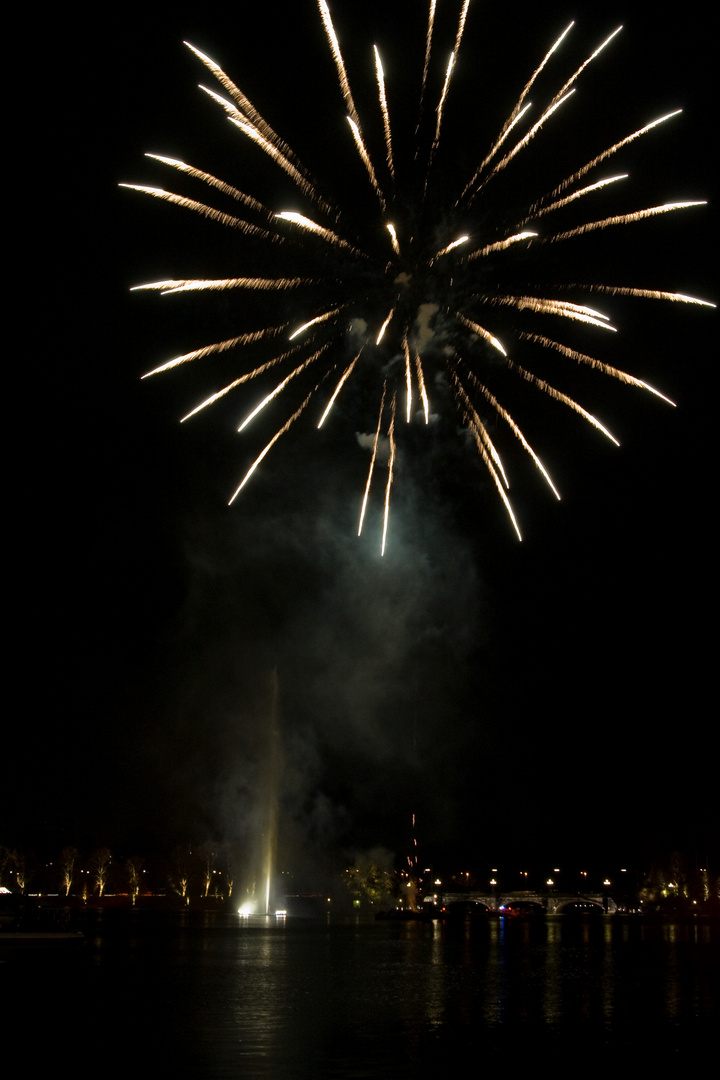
{"x":388,"y":486}
{"x":441,"y":299}
{"x":372,"y":460}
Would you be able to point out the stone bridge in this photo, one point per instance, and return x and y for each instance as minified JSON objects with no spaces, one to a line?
{"x":551,"y":903}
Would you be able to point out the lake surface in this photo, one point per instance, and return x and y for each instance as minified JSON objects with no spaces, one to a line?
{"x":208,"y":996}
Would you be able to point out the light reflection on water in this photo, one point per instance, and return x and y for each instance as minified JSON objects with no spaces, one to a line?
{"x":211,"y":996}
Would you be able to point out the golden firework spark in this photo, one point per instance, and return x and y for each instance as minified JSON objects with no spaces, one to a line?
{"x":421,"y":384}
{"x":385,"y":113}
{"x":448,"y":73}
{"x":559,"y":203}
{"x":346,"y":374}
{"x":238,"y":382}
{"x":602,"y":157}
{"x":313,"y":322}
{"x":388,"y":486}
{"x":646,"y":294}
{"x":393,"y":236}
{"x":212,"y":181}
{"x":428,"y":47}
{"x":428,"y":308}
{"x":312,"y":226}
{"x":624,"y":219}
{"x":486,"y":448}
{"x":408,"y":381}
{"x":598,"y":365}
{"x":515,"y":430}
{"x":339,"y":62}
{"x":207,"y":211}
{"x":190,"y":284}
{"x":372,"y":459}
{"x":525,"y":140}
{"x":499,"y":245}
{"x":268,"y":448}
{"x":218,"y":347}
{"x":281,"y":386}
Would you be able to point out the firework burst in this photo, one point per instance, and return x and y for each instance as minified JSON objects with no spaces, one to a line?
{"x":431,"y":286}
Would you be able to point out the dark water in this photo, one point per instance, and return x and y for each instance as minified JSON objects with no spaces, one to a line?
{"x":205,"y":996}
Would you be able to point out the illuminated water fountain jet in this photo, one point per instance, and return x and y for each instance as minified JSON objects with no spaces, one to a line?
{"x":263,"y":900}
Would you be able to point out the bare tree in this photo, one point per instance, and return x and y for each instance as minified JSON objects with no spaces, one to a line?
{"x":232,"y":861}
{"x":68,"y":858}
{"x":6,"y":861}
{"x":206,"y":854}
{"x":18,"y":859}
{"x":25,"y":868}
{"x":180,"y":872}
{"x":100,"y":868}
{"x":133,"y":869}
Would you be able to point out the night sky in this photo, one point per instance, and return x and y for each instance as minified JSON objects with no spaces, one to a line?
{"x":550,"y":699}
